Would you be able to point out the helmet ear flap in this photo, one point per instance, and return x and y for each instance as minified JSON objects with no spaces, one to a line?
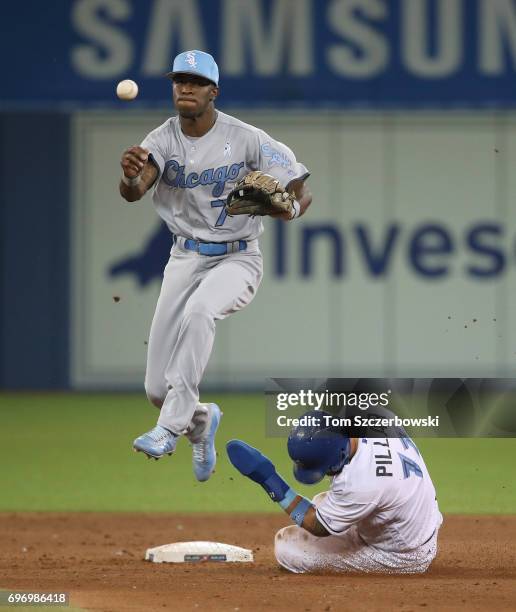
{"x":344,"y":458}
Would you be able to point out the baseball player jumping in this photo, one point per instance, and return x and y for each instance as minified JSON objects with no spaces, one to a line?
{"x":380,"y":514}
{"x":192,"y":163}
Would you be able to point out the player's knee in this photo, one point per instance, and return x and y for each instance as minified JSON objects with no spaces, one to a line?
{"x":156,"y":397}
{"x":280,"y":545}
{"x":285,"y":548}
{"x":155,"y":400}
{"x":282,"y":539}
{"x":287,"y":533}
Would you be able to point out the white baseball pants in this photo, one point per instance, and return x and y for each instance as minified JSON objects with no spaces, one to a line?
{"x":300,"y":552}
{"x":197,"y":291}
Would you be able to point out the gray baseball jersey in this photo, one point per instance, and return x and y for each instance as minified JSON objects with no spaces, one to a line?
{"x":196,"y":175}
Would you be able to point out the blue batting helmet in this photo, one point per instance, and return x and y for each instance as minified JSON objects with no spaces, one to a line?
{"x":316,"y":448}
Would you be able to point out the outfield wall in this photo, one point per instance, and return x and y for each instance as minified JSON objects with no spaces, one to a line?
{"x":34,"y":250}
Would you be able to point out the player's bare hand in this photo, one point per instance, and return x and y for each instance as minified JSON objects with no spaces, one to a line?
{"x":134,"y":160}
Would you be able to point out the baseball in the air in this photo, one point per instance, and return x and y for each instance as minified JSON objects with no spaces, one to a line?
{"x":127,"y":90}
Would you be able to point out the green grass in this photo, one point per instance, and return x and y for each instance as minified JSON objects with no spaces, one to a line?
{"x":63,"y":452}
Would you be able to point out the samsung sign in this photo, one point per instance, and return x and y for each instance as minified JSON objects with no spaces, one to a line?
{"x":378,"y":53}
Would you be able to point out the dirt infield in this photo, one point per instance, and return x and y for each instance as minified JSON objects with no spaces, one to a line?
{"x":98,"y":559}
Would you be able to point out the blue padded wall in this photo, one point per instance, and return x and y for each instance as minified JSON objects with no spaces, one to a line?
{"x":34,"y":250}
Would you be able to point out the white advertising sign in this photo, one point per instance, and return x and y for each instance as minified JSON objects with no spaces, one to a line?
{"x":403,"y":265}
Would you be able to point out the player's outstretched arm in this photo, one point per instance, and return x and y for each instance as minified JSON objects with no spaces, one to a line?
{"x":138,"y":173}
{"x":252,"y":463}
{"x":302,"y":193}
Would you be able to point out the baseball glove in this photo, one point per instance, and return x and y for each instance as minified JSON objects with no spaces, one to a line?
{"x":258,"y":193}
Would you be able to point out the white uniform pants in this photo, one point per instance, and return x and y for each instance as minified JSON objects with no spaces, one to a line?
{"x":299,"y":551}
{"x":197,"y":290}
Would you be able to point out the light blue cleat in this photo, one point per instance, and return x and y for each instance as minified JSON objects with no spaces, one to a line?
{"x":156,"y":442}
{"x":204,"y":455}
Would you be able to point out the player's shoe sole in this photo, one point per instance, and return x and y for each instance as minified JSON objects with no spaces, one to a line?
{"x":204,"y":455}
{"x":156,"y":443}
{"x":136,"y":450}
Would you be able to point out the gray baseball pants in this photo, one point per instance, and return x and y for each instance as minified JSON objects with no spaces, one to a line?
{"x":197,"y":291}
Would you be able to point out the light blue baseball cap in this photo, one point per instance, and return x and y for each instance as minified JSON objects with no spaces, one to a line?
{"x":196,"y":62}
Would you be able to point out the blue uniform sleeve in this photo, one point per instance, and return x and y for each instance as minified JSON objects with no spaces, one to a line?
{"x":275,"y":158}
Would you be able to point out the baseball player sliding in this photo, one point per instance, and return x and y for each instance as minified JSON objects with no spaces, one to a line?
{"x":193,"y":162}
{"x":380,"y":514}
